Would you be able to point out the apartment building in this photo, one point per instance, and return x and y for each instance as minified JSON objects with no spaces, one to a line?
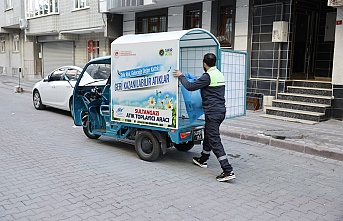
{"x":11,"y":37}
{"x":292,"y":45}
{"x":226,"y":19}
{"x":39,"y":36}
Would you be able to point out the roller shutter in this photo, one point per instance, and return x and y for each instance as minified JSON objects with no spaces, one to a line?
{"x":57,"y":54}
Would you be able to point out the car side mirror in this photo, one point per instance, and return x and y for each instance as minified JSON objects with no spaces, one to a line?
{"x":47,"y":79}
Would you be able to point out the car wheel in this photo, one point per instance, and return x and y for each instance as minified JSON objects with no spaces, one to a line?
{"x":87,"y":127}
{"x":147,"y":146}
{"x":37,"y":101}
{"x":184,"y":146}
{"x":71,"y":107}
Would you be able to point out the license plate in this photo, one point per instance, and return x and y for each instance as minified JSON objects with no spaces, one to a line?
{"x":197,"y":135}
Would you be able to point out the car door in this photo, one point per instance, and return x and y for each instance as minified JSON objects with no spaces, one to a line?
{"x":64,"y":89}
{"x":49,"y":93}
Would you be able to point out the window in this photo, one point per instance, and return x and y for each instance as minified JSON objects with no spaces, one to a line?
{"x":192,"y":16}
{"x":223,"y":21}
{"x":36,"y":8}
{"x":78,"y":4}
{"x":151,"y":22}
{"x":94,"y":50}
{"x":2,"y":45}
{"x":8,"y":4}
{"x":57,"y":75}
{"x":225,"y":26}
{"x":72,"y":74}
{"x":15,"y":43}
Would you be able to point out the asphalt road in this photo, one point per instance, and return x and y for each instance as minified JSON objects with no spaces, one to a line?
{"x":49,"y":170}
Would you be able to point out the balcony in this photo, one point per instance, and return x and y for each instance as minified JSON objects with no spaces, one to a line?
{"x":123,"y":6}
{"x":13,"y":22}
{"x":120,"y":6}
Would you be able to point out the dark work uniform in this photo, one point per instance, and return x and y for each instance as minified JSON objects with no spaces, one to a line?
{"x":212,"y":87}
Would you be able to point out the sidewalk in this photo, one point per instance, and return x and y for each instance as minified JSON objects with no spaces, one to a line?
{"x":324,"y":139}
{"x":13,"y":82}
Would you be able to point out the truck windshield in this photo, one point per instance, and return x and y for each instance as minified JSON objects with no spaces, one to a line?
{"x":99,"y":71}
{"x":96,"y":73}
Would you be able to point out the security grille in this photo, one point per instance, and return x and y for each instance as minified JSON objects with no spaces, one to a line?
{"x":234,"y":68}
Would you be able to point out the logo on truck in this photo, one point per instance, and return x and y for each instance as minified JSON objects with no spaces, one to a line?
{"x":120,"y":111}
{"x":166,"y":52}
{"x":118,"y":53}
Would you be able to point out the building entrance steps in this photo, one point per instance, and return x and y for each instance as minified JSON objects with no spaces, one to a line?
{"x":320,"y":139}
{"x":306,"y":100}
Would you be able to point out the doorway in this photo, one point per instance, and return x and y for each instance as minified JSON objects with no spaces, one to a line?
{"x":304,"y":30}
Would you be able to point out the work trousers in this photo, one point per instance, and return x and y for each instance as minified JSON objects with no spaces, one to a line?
{"x":212,"y":141}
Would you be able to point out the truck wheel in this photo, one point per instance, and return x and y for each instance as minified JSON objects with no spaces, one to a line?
{"x":87,"y":125}
{"x":147,"y":146}
{"x":184,"y":146}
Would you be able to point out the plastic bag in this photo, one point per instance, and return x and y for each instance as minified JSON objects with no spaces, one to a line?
{"x":192,"y":100}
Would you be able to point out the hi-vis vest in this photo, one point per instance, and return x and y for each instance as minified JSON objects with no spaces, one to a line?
{"x":217,"y":78}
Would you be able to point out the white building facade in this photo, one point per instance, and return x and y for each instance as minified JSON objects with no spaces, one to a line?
{"x":39,"y":36}
{"x":11,"y":38}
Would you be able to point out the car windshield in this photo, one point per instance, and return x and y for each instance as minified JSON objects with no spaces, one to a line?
{"x":96,"y":73}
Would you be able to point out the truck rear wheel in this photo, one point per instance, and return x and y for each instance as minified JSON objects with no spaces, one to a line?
{"x":184,"y":146}
{"x":147,"y":146}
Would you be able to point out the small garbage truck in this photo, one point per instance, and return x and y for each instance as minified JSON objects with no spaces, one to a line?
{"x":141,"y":101}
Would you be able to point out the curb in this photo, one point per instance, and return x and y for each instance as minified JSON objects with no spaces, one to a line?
{"x":302,"y":148}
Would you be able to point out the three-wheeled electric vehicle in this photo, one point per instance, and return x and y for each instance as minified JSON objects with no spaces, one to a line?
{"x":141,"y":102}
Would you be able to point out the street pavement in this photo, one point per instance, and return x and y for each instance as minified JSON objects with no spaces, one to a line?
{"x":49,"y":170}
{"x":324,"y":139}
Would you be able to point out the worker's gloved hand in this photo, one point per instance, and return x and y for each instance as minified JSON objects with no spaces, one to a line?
{"x":177,"y":73}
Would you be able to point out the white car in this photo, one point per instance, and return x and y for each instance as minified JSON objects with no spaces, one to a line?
{"x":56,"y":90}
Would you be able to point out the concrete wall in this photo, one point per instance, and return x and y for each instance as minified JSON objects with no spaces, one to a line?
{"x":4,"y":56}
{"x":129,"y":23}
{"x":67,"y":19}
{"x":9,"y":25}
{"x":81,"y":52}
{"x":15,"y":56}
{"x":241,"y":25}
{"x":337,"y":74}
{"x":175,"y":18}
{"x":206,"y":15}
{"x":28,"y":60}
{"x":10,"y":17}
